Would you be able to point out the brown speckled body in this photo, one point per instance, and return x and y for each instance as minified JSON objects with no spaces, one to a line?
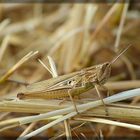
{"x":75,"y":83}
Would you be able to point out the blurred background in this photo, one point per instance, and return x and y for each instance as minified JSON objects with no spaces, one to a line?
{"x":74,"y":35}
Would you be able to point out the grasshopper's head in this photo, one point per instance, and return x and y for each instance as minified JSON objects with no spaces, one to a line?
{"x":103,"y":73}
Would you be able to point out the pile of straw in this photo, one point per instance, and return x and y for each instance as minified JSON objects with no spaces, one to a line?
{"x":74,"y":36}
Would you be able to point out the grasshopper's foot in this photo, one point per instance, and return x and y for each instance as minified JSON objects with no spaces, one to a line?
{"x":62,"y":101}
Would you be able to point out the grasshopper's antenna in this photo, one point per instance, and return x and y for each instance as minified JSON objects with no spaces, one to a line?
{"x":122,"y":52}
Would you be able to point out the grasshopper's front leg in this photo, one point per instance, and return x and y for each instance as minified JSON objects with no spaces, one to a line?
{"x":98,"y":92}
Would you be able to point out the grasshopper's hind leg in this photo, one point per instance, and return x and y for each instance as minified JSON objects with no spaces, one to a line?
{"x":98,"y":92}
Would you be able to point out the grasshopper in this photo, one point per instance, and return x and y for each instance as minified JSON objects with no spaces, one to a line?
{"x":76,"y":83}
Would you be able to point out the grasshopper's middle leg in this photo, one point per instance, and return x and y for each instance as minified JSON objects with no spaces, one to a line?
{"x":72,"y":100}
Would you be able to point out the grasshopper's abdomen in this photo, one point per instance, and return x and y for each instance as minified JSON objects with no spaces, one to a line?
{"x":54,"y":94}
{"x":57,"y":94}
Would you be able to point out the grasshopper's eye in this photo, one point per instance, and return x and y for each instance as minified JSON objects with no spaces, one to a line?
{"x":69,"y":82}
{"x":104,"y":73}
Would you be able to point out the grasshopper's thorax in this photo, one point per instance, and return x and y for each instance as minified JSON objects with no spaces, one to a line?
{"x":103,"y":73}
{"x":98,"y":74}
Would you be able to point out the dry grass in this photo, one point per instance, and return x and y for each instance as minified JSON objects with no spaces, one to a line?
{"x":66,"y":38}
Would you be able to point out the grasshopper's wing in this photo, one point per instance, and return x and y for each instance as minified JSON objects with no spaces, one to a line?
{"x":59,"y":82}
{"x":76,"y":81}
{"x":44,"y":85}
{"x":66,"y":84}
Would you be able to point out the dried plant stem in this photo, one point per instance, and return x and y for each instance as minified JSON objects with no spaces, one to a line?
{"x":54,"y":138}
{"x":11,"y":123}
{"x":110,"y":122}
{"x":48,"y":126}
{"x":116,"y":111}
{"x":3,"y":115}
{"x":3,"y":47}
{"x":48,"y":69}
{"x":28,"y":129}
{"x":53,"y":67}
{"x":3,"y":24}
{"x":17,"y":65}
{"x":68,"y":130}
{"x":90,"y":12}
{"x":38,"y":10}
{"x":105,"y":19}
{"x":8,"y":6}
{"x":118,"y":37}
{"x":129,"y":67}
{"x":125,"y":9}
{"x":114,"y":98}
{"x":123,"y":85}
{"x":19,"y":27}
{"x":82,"y":108}
{"x":127,"y":113}
{"x":65,"y":37}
